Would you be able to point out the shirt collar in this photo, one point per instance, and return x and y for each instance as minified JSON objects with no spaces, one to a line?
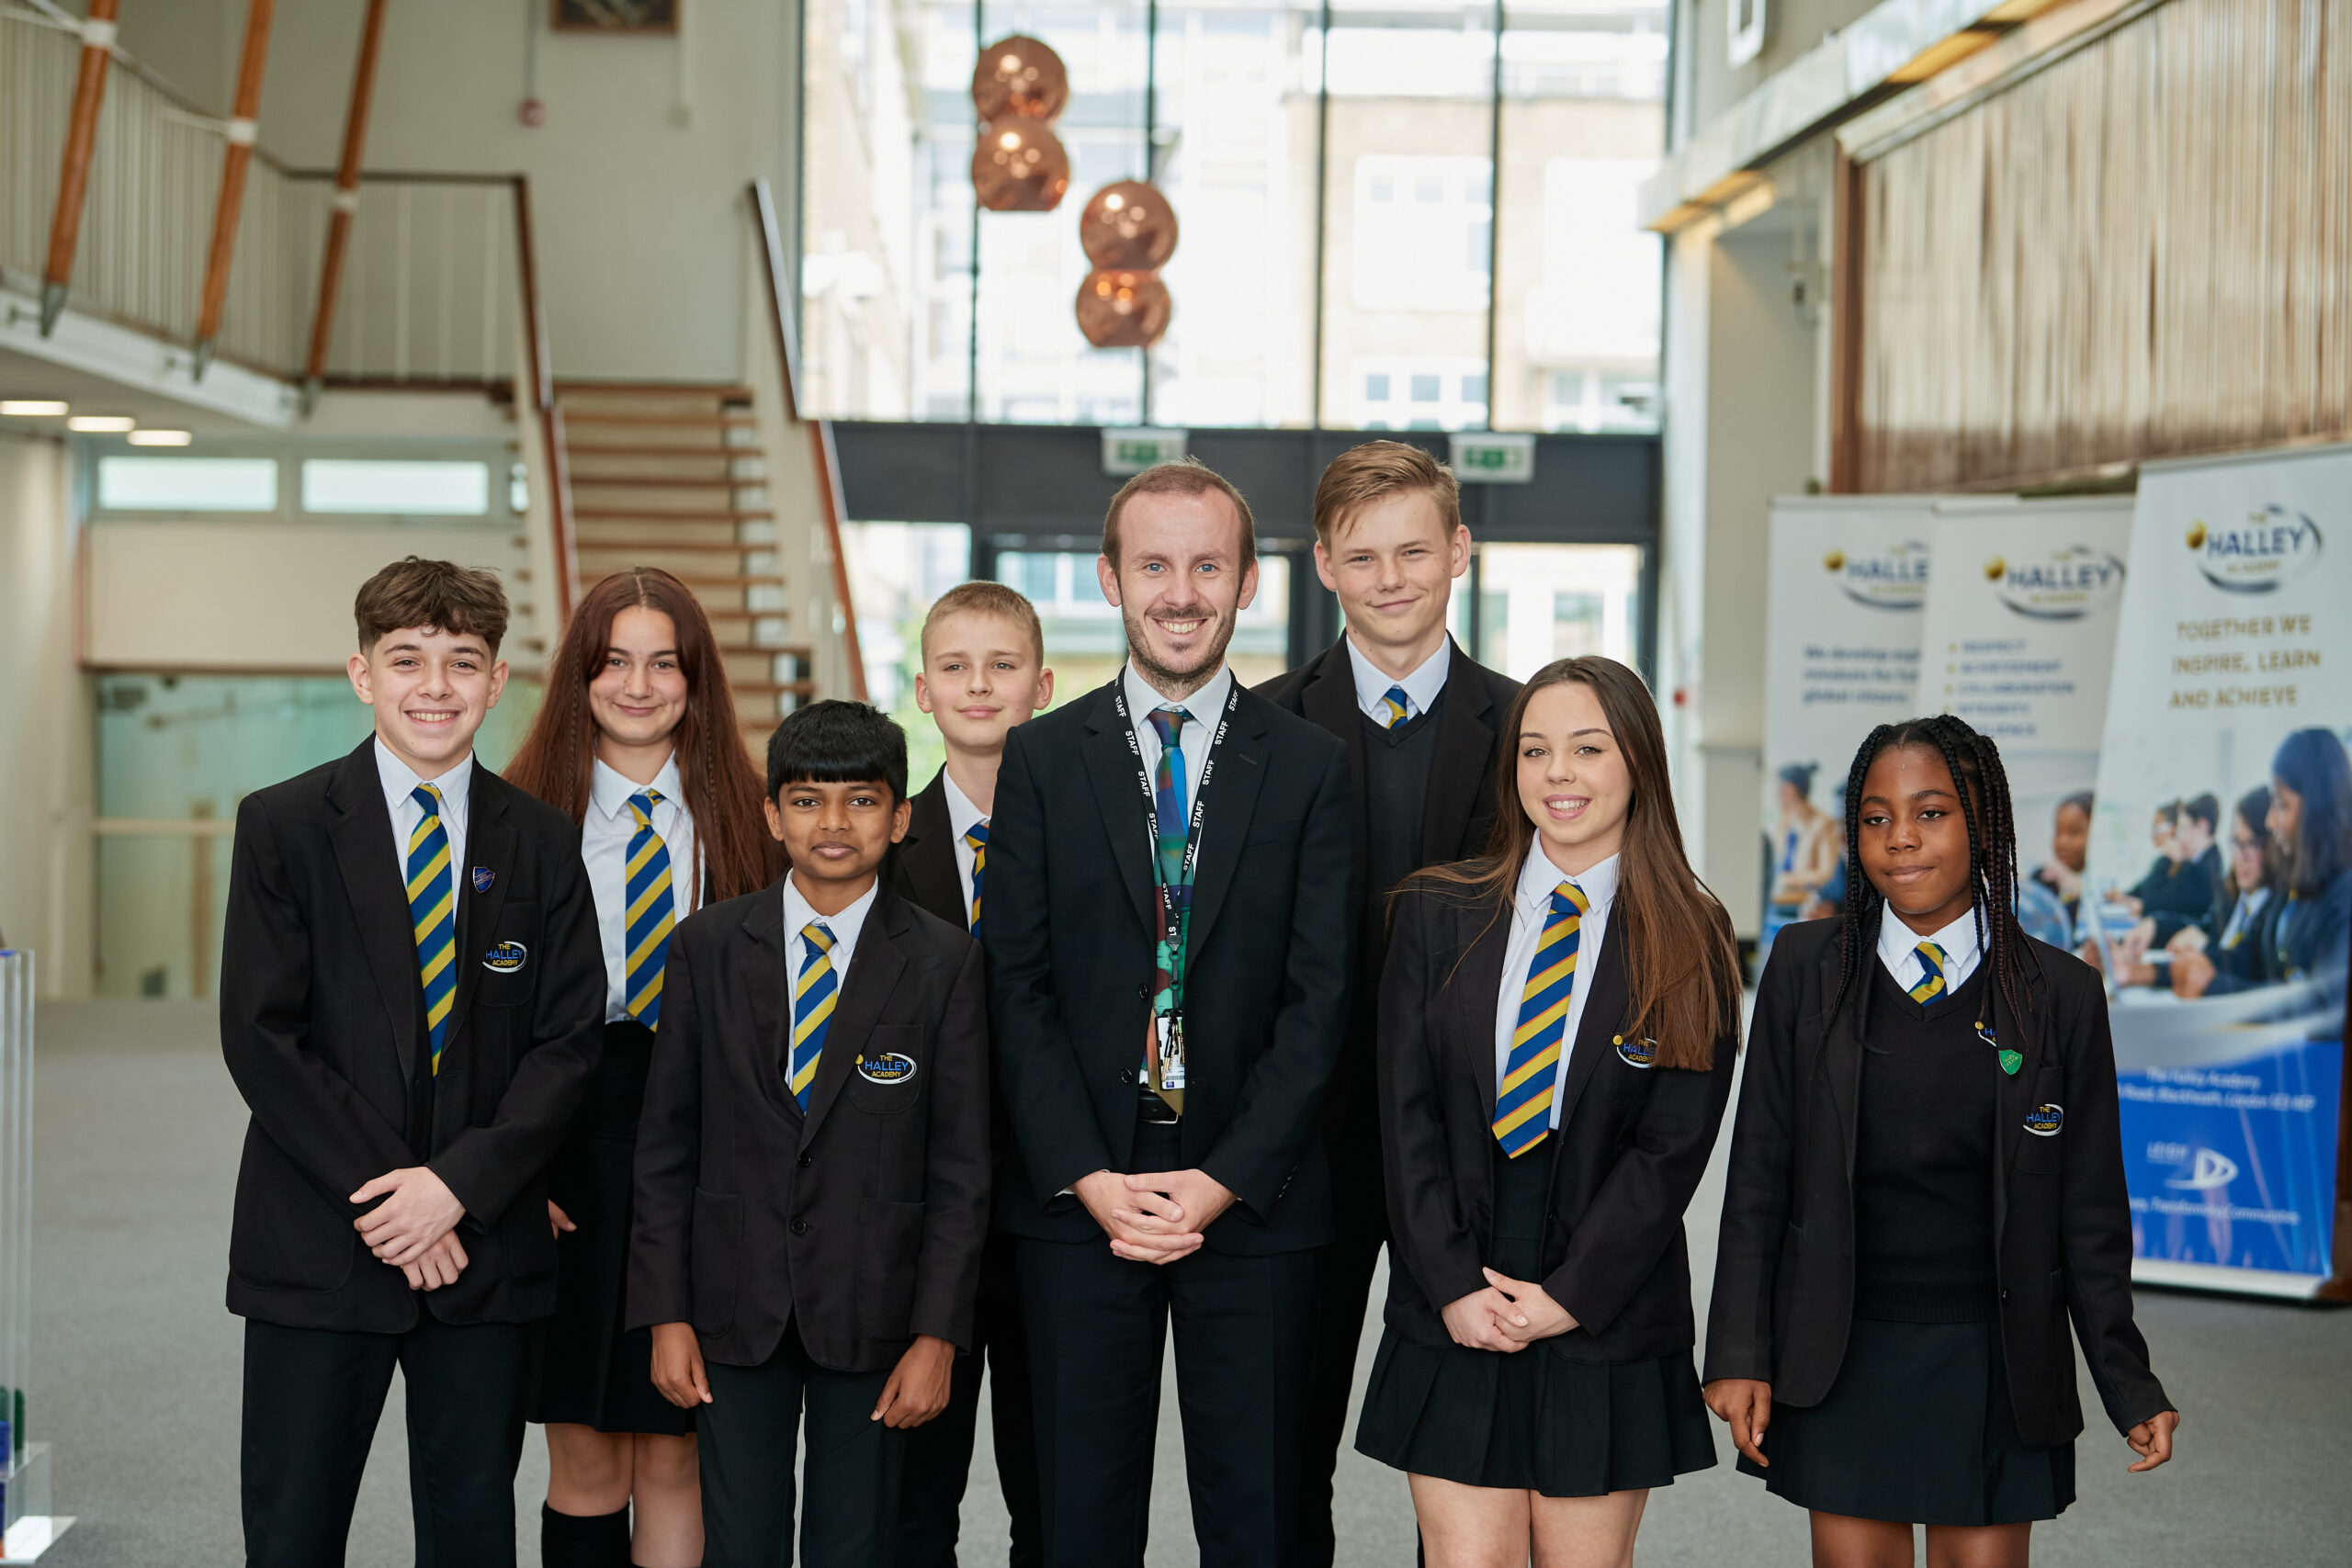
{"x":1898,"y":943}
{"x":1538,"y":876}
{"x":961,"y":812}
{"x":1422,"y":685}
{"x":400,"y":779}
{"x":845,"y":926}
{"x":1205,"y":704}
{"x":609,"y":788}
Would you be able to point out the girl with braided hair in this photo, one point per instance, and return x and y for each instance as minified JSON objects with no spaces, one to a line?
{"x":1926,"y":1184}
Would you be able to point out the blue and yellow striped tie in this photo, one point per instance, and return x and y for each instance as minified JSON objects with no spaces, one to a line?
{"x":1524,"y":1100}
{"x":812,"y":1008}
{"x":433,"y":911}
{"x":1931,"y":984}
{"x":978,"y":839}
{"x":1398,"y":707}
{"x":652,"y":911}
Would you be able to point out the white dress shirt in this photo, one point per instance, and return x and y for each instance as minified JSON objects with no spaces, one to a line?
{"x":399,"y":782}
{"x":2243,"y":914}
{"x":1530,"y":912}
{"x":961,"y":815}
{"x":844,"y":927}
{"x":1421,"y":686}
{"x":604,"y":833}
{"x":1898,"y":949}
{"x":1204,"y":710}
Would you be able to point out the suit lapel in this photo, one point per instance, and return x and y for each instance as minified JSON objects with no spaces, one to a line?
{"x":929,"y":852}
{"x":2015,"y":1094}
{"x":766,"y":979}
{"x":490,"y":843}
{"x":1840,"y":1059}
{"x":368,"y":855}
{"x":1238,"y":771}
{"x":1602,"y":1022}
{"x":1463,"y":769}
{"x":1477,"y":985}
{"x":873,"y":971}
{"x":1110,"y":769}
{"x":1328,"y":701}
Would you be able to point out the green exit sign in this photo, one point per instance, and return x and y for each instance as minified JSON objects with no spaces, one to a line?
{"x":1126,"y":453}
{"x":1485,"y":457}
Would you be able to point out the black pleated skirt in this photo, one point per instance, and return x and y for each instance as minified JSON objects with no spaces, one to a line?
{"x":1532,"y":1420}
{"x":593,"y":1372}
{"x":1918,"y":1429}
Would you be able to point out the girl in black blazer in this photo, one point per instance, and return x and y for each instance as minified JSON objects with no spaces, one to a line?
{"x":1927,"y":1180}
{"x":1557,"y":1024}
{"x":636,"y":741}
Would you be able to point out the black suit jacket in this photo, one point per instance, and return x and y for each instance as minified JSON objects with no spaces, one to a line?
{"x":1785,"y":1274}
{"x":1631,"y":1147}
{"x":860,"y":1222}
{"x":1071,"y":933}
{"x":323,"y":1026}
{"x":1456,"y":818}
{"x":923,"y":865}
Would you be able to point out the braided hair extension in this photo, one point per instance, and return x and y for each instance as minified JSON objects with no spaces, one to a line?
{"x":1987,"y":813}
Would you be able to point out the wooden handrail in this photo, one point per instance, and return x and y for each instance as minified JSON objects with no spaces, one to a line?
{"x":541,"y":391}
{"x":74,"y":175}
{"x":821,"y":431}
{"x":346,"y":190}
{"x":243,"y":128}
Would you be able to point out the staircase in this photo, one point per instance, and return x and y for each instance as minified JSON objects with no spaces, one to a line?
{"x":672,"y":475}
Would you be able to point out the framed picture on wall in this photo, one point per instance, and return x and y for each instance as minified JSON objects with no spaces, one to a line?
{"x":615,"y":16}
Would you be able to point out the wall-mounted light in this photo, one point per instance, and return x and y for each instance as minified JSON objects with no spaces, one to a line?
{"x":31,"y":408}
{"x":102,"y":423}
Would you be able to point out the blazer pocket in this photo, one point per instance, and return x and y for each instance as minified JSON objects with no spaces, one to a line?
{"x":888,"y":1076}
{"x":509,"y":957}
{"x":717,"y":1258}
{"x":309,"y":1253}
{"x":892,"y":1240}
{"x":1277,"y":830}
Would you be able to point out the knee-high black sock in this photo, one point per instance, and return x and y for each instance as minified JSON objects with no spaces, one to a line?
{"x":575,"y":1540}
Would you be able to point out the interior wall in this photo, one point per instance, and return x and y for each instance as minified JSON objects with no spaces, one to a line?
{"x":46,"y":783}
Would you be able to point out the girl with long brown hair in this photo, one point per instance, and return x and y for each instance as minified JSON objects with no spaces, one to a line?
{"x":1559,"y":1020}
{"x":637,"y":740}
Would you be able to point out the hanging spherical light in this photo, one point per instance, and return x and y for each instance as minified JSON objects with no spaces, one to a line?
{"x":1019,"y":166}
{"x":1022,"y":77}
{"x":1123,"y":307}
{"x":1127,"y":225}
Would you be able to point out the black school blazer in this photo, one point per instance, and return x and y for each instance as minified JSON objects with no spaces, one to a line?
{"x":1785,"y":1273}
{"x":1630,"y":1148}
{"x":322,"y":1027}
{"x":1072,"y":934}
{"x":861,"y":1222}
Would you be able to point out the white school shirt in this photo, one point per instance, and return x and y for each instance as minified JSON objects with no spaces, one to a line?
{"x":604,"y":833}
{"x":1530,"y":912}
{"x":1898,"y":949}
{"x":845,"y":926}
{"x":399,"y":781}
{"x":1204,"y":711}
{"x":2241,"y":916}
{"x":961,"y":815}
{"x":1421,"y":686}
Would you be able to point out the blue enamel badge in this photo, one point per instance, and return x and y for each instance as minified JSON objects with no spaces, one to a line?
{"x":2043,"y":1121}
{"x":1635,"y":1053}
{"x":888,"y":1067}
{"x":505,"y":957}
{"x":482,"y":879}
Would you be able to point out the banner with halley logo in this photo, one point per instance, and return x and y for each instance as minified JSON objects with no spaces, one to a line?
{"x":1846,"y":582}
{"x":2018,"y":639}
{"x":2221,"y":865}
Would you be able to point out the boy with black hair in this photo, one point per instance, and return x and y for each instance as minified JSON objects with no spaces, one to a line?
{"x":410,"y":997}
{"x":812,"y":1164}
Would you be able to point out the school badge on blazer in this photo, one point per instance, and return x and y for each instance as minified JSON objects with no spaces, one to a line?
{"x":505,"y":957}
{"x":2043,"y":1121}
{"x":1635,"y":1053}
{"x":887,"y":1068}
{"x":483,"y":877}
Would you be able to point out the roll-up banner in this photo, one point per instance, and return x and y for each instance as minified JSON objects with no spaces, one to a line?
{"x":2019,"y":640}
{"x":2221,"y":866}
{"x":1846,"y":581}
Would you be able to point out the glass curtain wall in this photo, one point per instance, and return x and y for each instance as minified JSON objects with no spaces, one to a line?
{"x":1333,"y":167}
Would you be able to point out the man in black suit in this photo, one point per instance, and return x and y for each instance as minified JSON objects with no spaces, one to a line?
{"x":411,"y":1004}
{"x":1167,"y":947}
{"x":1420,"y":720}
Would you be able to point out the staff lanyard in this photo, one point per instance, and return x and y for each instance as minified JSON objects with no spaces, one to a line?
{"x":1166,"y":892}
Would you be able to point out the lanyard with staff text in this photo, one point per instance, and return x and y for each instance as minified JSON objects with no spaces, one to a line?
{"x":1164,"y":1034}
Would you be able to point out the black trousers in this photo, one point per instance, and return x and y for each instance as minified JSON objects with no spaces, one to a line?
{"x":747,"y":1435}
{"x":1098,"y":1327}
{"x":939,"y":1452}
{"x":1349,"y":1264}
{"x":313,"y":1398}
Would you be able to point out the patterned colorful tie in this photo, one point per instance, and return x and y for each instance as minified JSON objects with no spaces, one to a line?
{"x":812,"y":1008}
{"x":1931,"y":978}
{"x":651,"y":912}
{"x":1398,"y":705}
{"x":433,"y":911}
{"x":978,"y":839}
{"x":1524,"y":1100}
{"x":1175,"y":886}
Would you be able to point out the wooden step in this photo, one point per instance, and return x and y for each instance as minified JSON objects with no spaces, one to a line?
{"x":670,"y":421}
{"x":638,"y":514}
{"x":659,"y":481}
{"x":771,"y":580}
{"x":781,"y":650}
{"x":671,"y":546}
{"x":587,"y":449}
{"x":773,"y":688}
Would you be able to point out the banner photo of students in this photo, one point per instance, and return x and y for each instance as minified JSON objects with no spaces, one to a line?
{"x":2220,"y":856}
{"x":2019,"y":640}
{"x":1846,"y":583}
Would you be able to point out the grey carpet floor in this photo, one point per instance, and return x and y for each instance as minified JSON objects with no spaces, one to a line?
{"x":136,"y":1382}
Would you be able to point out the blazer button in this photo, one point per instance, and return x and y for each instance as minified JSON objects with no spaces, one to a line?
{"x":804,"y":1162}
{"x":799,"y":1225}
{"x":1143,"y":991}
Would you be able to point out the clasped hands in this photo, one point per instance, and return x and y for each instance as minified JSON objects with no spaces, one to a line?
{"x":1509,"y":1314}
{"x":415,"y":1228}
{"x":1154,"y":1216}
